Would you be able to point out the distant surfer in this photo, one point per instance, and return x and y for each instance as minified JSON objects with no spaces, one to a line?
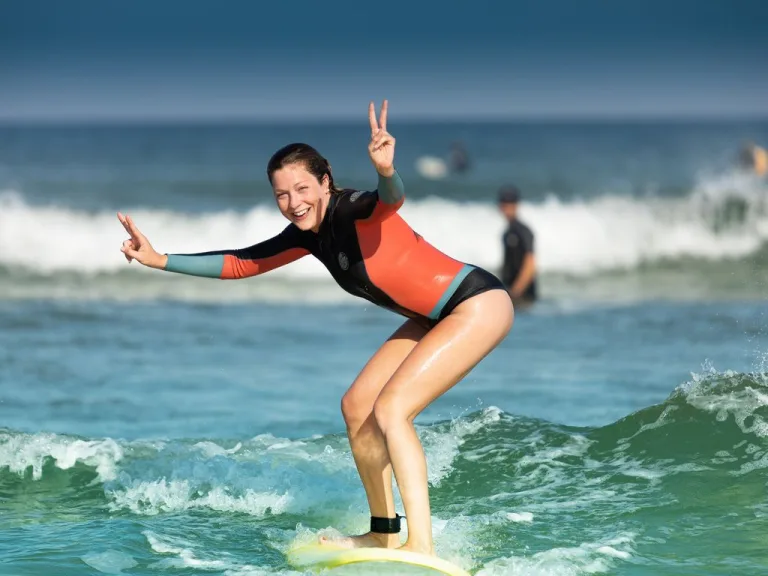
{"x":458,"y":159}
{"x":754,"y":158}
{"x":456,"y":314}
{"x":437,"y":168}
{"x":518,"y":270}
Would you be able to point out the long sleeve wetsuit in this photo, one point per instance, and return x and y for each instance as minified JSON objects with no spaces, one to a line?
{"x":368,"y":249}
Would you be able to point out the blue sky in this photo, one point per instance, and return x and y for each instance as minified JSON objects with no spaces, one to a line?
{"x":293,"y":60}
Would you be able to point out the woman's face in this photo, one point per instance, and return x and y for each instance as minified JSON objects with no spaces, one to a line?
{"x":300,"y":197}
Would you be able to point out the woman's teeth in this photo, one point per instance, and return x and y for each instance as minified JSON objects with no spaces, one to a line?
{"x":301,"y":213}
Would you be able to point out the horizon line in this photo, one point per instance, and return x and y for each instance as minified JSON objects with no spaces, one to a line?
{"x":115,"y":120}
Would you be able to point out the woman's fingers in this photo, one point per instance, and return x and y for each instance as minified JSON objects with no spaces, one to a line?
{"x":372,"y":119}
{"x":129,"y":226}
{"x":381,"y":124}
{"x":133,"y":246}
{"x":383,"y":117}
{"x":132,"y":229}
{"x":129,"y":249}
{"x":380,"y":139}
{"x":124,"y":222}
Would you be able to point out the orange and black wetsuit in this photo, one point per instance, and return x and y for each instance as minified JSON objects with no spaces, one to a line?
{"x":369,"y":250}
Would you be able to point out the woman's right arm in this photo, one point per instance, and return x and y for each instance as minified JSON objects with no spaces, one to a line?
{"x":224,"y":264}
{"x":243,"y":263}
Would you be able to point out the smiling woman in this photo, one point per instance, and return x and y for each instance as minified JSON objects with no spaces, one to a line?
{"x":300,"y":176}
{"x":456,"y":314}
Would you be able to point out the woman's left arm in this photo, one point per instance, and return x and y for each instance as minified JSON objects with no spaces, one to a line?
{"x":390,"y":190}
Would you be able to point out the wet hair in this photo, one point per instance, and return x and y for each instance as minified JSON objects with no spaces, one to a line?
{"x":304,"y":154}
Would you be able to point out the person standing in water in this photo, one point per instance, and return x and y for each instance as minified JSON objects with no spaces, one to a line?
{"x":754,"y":159}
{"x":458,"y":159}
{"x":456,"y":314}
{"x":518,"y":271}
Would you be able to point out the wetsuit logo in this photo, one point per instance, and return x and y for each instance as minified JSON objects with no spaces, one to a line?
{"x":343,"y":261}
{"x":355,"y":195}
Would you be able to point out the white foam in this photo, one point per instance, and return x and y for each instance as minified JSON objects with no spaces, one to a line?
{"x":574,"y":237}
{"x":109,"y":561}
{"x":442,"y":447}
{"x":158,"y":496}
{"x":610,"y":551}
{"x":520,"y":517}
{"x":182,"y":553}
{"x":576,"y":446}
{"x":588,"y":558}
{"x":185,"y":556}
{"x":211,"y":449}
{"x":21,"y":451}
{"x":742,"y":404}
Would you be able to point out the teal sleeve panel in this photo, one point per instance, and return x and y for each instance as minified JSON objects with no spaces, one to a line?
{"x":208,"y":266}
{"x":391,"y":190}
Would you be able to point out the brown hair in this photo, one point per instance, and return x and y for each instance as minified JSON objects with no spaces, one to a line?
{"x":298,"y":153}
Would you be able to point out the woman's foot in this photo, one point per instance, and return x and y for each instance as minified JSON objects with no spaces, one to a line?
{"x":368,"y":540}
{"x":408,"y":547}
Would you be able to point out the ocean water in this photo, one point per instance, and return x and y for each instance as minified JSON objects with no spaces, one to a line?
{"x":153,"y":423}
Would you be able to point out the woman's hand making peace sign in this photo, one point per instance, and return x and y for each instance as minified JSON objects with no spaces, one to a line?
{"x":137,"y":247}
{"x":382,"y":146}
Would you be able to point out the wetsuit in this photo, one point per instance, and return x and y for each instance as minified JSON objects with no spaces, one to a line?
{"x":518,"y":243}
{"x":369,"y":250}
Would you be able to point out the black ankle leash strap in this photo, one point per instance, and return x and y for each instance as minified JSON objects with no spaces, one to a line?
{"x":386,"y":525}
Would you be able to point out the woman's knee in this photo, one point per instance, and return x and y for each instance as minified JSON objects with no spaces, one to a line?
{"x":354,"y":409}
{"x":388,"y":413}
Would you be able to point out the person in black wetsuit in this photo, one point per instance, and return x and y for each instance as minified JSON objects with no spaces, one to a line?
{"x":458,"y":160}
{"x":456,"y":313}
{"x":518,"y":271}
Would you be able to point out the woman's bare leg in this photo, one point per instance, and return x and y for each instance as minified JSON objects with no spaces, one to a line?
{"x":365,"y":439}
{"x":440,"y":359}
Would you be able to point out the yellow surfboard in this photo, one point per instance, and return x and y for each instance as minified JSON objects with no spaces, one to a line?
{"x":329,"y":556}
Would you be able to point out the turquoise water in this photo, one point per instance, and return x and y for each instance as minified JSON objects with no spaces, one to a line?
{"x":581,"y":445}
{"x":156,"y":424}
